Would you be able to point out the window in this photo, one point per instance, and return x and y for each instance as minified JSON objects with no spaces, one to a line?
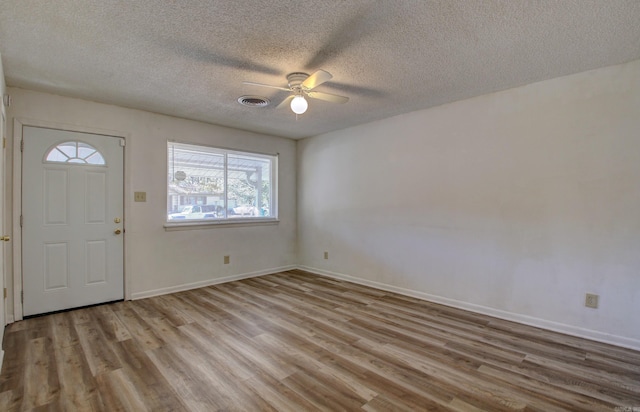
{"x":211,"y":185}
{"x":75,"y":152}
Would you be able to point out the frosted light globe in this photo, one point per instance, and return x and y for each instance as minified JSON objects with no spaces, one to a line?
{"x":299,"y":105}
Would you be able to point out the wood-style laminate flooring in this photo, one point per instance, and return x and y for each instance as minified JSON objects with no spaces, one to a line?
{"x":299,"y":342}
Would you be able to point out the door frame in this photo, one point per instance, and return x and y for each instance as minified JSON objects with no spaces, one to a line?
{"x":18,"y":125}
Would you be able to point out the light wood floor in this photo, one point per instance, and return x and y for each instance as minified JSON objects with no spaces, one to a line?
{"x":298,"y":342}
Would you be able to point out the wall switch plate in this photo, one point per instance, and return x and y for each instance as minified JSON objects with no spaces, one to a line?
{"x":139,"y":196}
{"x":326,"y":255}
{"x":591,"y":301}
{"x":227,"y":259}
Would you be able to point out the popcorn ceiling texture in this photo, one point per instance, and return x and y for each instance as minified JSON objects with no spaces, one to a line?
{"x":189,"y":59}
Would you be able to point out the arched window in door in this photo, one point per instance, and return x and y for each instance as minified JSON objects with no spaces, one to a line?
{"x":75,"y":152}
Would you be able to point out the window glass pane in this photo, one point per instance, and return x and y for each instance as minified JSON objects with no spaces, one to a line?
{"x":68,"y":148}
{"x":84,"y":150}
{"x":95,"y":159}
{"x":57,"y":156}
{"x":248,"y":189}
{"x":198,"y":175}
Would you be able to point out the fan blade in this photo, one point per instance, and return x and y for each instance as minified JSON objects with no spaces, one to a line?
{"x":328,"y":97}
{"x":316,"y":79}
{"x":267,"y":85}
{"x":285,"y":102}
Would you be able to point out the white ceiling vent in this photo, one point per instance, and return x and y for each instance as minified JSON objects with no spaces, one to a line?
{"x":253,"y":101}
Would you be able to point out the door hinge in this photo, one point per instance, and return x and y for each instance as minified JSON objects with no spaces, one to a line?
{"x":22,"y":296}
{"x":21,"y":220}
{"x":5,"y":293}
{"x":122,"y":142}
{"x":6,"y":99}
{"x":22,"y":145}
{"x":4,"y":142}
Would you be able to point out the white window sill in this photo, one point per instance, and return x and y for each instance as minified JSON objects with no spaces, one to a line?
{"x":206,"y":224}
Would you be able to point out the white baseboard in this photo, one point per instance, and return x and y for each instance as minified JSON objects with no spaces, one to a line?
{"x":594,"y":335}
{"x":497,"y":313}
{"x":208,"y":282}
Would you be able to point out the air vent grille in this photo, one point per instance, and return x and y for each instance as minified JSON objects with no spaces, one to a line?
{"x":253,"y":101}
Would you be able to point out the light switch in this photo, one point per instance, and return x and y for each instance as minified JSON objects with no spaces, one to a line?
{"x":139,"y":196}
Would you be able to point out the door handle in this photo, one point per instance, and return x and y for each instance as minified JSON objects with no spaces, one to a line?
{"x":5,"y":238}
{"x":117,"y":231}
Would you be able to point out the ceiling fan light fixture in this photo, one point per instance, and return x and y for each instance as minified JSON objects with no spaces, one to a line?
{"x":301,"y":86}
{"x":299,"y":104}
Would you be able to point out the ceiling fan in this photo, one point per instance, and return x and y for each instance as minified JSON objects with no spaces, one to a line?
{"x":301,"y":85}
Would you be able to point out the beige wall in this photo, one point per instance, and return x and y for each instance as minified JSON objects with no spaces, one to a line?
{"x":159,"y":261}
{"x":514,"y":204}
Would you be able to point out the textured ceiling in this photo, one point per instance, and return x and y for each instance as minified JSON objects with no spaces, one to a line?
{"x":190,"y":58}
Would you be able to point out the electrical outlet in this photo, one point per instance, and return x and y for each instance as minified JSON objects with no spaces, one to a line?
{"x":227,"y":259}
{"x":139,"y":196}
{"x":326,"y":255}
{"x":591,"y":301}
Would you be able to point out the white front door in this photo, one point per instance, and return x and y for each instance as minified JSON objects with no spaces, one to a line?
{"x":72,"y":211}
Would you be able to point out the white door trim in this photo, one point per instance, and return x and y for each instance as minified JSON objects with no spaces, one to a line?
{"x":18,"y":124}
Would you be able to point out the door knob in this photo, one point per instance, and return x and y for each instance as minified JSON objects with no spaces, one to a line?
{"x":117,"y":231}
{"x":5,"y":238}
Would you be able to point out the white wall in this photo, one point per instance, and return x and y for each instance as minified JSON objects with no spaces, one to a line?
{"x":514,"y":204}
{"x":158,"y":260}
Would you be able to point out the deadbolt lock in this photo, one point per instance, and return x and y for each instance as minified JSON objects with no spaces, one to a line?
{"x":116,"y":220}
{"x":5,"y":238}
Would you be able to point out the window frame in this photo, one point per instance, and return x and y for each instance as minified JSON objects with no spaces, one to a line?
{"x":70,"y":159}
{"x":225,"y":221}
